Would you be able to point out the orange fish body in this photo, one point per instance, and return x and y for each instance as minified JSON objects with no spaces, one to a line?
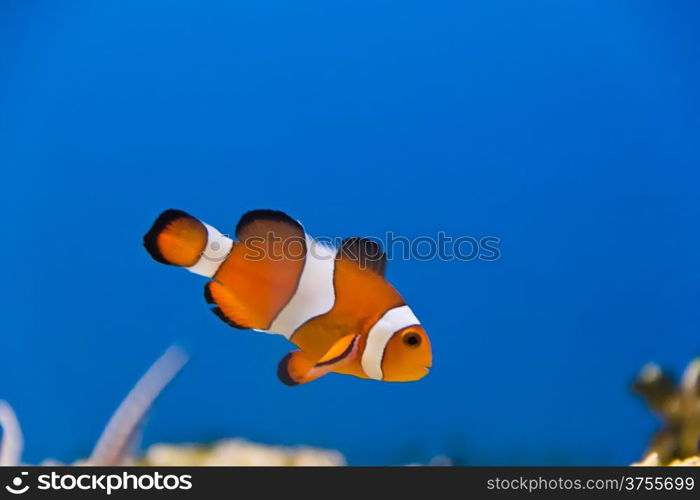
{"x":334,"y":304}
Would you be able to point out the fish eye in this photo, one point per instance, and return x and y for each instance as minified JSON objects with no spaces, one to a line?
{"x":411,"y":339}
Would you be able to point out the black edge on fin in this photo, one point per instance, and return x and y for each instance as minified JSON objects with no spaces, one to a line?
{"x":265,"y":214}
{"x":367,"y":253}
{"x":150,"y":239}
{"x":219,"y":313}
{"x":283,"y":371}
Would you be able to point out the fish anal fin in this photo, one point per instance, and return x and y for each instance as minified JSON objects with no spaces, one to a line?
{"x":228,"y":308}
{"x":299,"y":368}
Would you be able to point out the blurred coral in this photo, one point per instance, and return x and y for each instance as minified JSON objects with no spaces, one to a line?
{"x":652,"y":460}
{"x":11,"y":441}
{"x":239,"y":452}
{"x":115,"y":445}
{"x":676,"y":444}
{"x":678,"y":406}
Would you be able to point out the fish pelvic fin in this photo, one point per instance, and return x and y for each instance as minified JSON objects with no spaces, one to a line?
{"x":297,"y":367}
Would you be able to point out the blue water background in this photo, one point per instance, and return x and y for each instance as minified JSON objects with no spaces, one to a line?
{"x":570,"y":130}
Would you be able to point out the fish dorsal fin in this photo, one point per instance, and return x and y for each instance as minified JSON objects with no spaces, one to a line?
{"x":264,"y":222}
{"x":367,"y":253}
{"x":261,"y":273}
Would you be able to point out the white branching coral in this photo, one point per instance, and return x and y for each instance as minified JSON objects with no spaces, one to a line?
{"x":11,"y":442}
{"x":113,"y":446}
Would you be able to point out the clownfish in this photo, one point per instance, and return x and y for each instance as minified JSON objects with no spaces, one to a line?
{"x":334,"y":304}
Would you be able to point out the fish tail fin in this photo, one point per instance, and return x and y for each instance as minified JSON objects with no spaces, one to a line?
{"x":176,"y":238}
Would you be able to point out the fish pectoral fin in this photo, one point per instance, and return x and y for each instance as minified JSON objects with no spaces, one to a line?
{"x":342,"y":350}
{"x":298,"y":368}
